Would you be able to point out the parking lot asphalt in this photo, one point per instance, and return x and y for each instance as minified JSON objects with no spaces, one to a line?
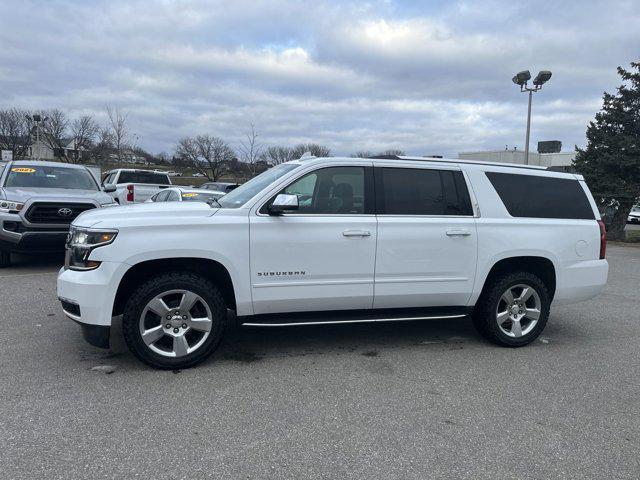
{"x":419,"y":400}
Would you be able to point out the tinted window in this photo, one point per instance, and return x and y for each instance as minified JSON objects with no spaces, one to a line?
{"x":108,"y":179}
{"x":143,"y":177}
{"x":330,"y":191}
{"x":541,"y":197}
{"x":40,"y":176}
{"x":173,"y":196}
{"x":162,"y":196}
{"x":413,"y":191}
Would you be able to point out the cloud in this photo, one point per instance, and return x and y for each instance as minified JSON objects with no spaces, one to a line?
{"x":427,"y":78}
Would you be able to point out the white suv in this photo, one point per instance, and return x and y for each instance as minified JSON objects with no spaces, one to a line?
{"x":337,"y":240}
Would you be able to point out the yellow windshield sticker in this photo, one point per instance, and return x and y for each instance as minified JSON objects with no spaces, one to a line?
{"x":187,"y":195}
{"x":23,"y":170}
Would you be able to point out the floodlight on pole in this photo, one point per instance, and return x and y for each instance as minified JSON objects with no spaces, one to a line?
{"x":521,"y":79}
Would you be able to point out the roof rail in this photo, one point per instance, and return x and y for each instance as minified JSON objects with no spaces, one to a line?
{"x":457,"y":160}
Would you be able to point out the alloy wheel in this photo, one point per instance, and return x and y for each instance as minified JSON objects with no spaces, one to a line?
{"x":518,"y":310}
{"x":175,"y":323}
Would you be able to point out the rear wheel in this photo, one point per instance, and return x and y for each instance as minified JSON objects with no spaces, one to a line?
{"x":5,"y":259}
{"x":513,"y":309}
{"x":174,"y":320}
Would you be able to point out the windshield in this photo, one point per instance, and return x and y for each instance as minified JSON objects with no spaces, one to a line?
{"x":245,"y":192}
{"x":40,"y":176}
{"x":200,"y":196}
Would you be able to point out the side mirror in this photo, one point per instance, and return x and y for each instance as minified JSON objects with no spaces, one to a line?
{"x":283,"y":203}
{"x":109,"y":187}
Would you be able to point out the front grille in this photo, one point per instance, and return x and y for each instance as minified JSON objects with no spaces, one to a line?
{"x":62,"y":213}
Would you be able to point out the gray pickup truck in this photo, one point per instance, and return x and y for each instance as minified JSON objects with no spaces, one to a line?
{"x":38,"y":202}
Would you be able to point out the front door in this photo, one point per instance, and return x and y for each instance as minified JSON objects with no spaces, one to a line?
{"x":427,"y":241}
{"x":320,"y":257}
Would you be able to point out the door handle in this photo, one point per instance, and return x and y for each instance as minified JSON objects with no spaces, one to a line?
{"x":356,"y":233}
{"x":458,"y":233}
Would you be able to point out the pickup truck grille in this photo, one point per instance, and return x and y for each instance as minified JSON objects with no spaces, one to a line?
{"x":61,"y":213}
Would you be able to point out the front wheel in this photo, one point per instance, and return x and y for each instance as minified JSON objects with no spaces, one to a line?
{"x":513,"y":309}
{"x":174,"y":320}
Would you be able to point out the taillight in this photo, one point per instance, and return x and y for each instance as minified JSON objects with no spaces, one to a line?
{"x":603,"y":239}
{"x":129,"y":193}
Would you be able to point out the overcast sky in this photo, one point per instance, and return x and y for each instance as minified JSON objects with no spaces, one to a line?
{"x":426,"y":77}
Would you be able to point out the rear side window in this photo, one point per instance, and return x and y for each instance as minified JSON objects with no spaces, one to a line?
{"x":413,"y":191}
{"x":541,"y":197}
{"x":143,"y":177}
{"x":162,"y":196}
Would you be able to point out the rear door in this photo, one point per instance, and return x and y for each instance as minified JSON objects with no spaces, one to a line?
{"x":427,"y":242}
{"x":320,"y":257}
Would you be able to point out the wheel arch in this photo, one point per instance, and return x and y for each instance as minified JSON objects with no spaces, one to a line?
{"x":541,"y":266}
{"x":211,"y":269}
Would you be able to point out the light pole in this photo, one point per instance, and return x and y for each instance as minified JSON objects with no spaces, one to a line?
{"x":521,"y":79}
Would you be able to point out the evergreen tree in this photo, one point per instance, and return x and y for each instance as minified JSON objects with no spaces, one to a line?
{"x":610,"y":162}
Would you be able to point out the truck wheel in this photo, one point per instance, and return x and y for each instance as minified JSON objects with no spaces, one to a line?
{"x":175,"y":320}
{"x":513,"y":310}
{"x":5,"y":259}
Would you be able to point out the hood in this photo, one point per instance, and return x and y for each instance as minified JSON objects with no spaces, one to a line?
{"x":144,"y":214}
{"x":18,"y":194}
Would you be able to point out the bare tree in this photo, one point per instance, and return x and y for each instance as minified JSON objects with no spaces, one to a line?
{"x":313,"y":148}
{"x":103,"y":146}
{"x":391,"y":151}
{"x":14,"y":131}
{"x":55,"y":128}
{"x":207,"y":154}
{"x":250,"y":149}
{"x":187,"y":151}
{"x":362,"y":154}
{"x":119,"y":130}
{"x":386,"y":153}
{"x":84,"y":131}
{"x":277,"y":154}
{"x":163,"y":158}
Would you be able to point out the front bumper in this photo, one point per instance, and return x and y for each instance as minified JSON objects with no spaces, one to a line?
{"x":87,"y":298}
{"x":17,"y":236}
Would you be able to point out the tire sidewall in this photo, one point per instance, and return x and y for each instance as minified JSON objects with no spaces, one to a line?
{"x":491,"y":305}
{"x":139,"y":299}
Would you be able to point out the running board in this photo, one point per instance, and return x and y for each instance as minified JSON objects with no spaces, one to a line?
{"x":347,"y":317}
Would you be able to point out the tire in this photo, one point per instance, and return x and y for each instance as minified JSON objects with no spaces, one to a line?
{"x":178,"y":328}
{"x":509,"y":324}
{"x":5,"y":259}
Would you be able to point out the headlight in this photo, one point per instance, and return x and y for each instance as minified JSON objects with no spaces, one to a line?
{"x":80,"y":244}
{"x":10,"y":207}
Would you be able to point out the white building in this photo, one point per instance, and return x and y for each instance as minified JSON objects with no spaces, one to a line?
{"x":557,"y":161}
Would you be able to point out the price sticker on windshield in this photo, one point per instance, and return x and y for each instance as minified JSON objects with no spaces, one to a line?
{"x":23,"y":170}
{"x":189,"y":195}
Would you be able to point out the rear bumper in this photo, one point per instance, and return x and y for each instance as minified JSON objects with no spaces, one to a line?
{"x":581,"y":281}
